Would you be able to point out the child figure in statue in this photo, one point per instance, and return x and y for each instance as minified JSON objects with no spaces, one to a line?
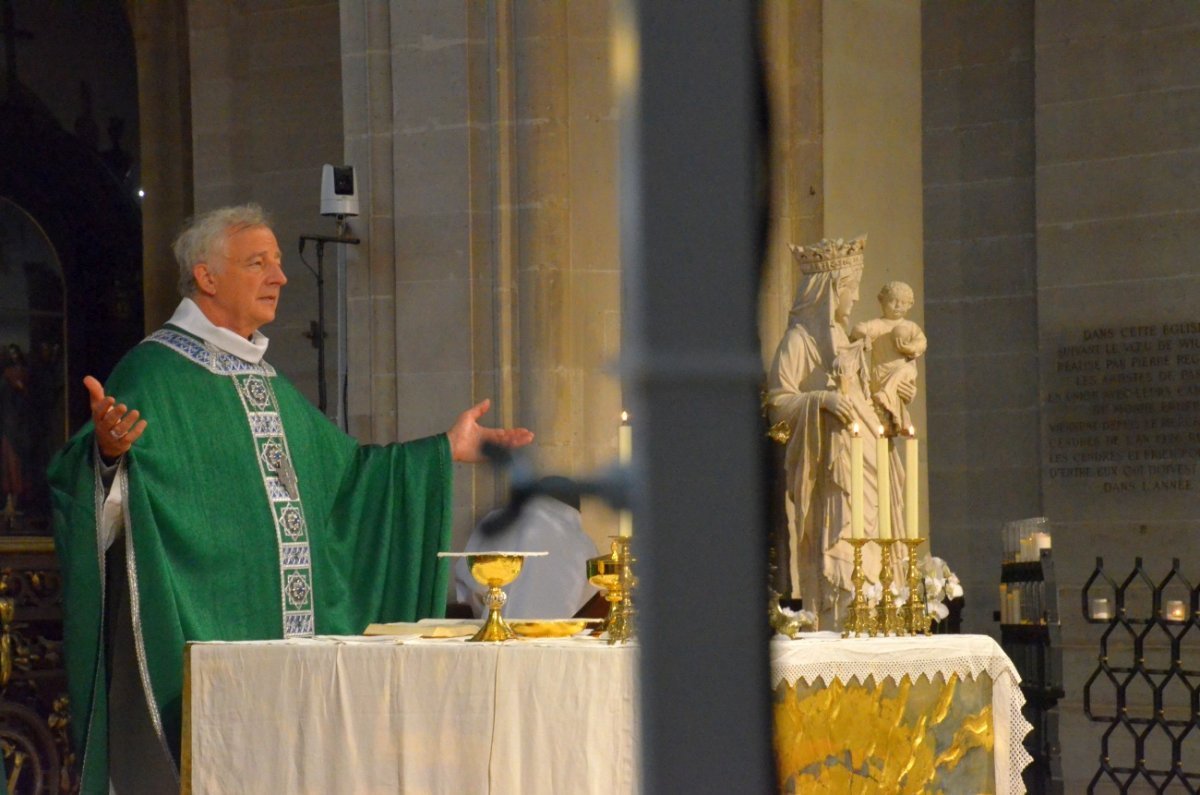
{"x":894,"y":344}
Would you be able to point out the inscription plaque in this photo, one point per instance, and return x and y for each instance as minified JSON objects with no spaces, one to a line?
{"x":1121,"y":410}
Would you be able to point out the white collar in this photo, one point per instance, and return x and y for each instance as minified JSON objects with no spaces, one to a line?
{"x":189,"y":318}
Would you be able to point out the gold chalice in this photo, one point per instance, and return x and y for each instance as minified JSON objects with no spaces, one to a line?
{"x":495,"y":570}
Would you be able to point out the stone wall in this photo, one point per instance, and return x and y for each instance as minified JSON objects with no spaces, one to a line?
{"x":266,"y":114}
{"x":980,"y":269}
{"x":1062,"y":147}
{"x":1118,"y":160}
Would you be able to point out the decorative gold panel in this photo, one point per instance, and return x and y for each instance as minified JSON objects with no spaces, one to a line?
{"x":887,"y":737}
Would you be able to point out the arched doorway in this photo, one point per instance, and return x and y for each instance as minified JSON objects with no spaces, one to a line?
{"x":33,"y":421}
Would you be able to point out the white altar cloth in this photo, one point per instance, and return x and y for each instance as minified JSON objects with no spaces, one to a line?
{"x":826,"y":656}
{"x":411,"y":715}
{"x":416,"y":715}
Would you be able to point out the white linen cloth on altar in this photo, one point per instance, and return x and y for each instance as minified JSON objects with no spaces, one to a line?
{"x":826,"y":656}
{"x":413,"y":715}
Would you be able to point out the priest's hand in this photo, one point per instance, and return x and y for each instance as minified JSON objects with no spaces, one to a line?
{"x":117,"y":428}
{"x":467,"y":436}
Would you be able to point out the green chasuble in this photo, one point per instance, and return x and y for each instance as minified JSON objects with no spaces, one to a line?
{"x":248,"y":516}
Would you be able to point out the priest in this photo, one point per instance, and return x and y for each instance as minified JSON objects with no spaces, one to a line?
{"x":209,"y":500}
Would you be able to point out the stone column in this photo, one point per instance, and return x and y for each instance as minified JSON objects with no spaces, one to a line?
{"x":160,"y":32}
{"x":485,"y":141}
{"x":792,"y":54}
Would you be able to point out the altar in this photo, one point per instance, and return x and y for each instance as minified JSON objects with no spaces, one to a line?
{"x":435,"y":715}
{"x":410,"y":714}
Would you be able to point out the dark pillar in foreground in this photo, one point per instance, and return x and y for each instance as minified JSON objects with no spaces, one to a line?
{"x":692,"y":232}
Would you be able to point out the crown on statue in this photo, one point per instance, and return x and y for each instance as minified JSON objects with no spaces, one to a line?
{"x":830,"y":255}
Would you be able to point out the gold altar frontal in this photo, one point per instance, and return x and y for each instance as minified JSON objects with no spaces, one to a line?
{"x":897,"y":715}
{"x":886,"y":736}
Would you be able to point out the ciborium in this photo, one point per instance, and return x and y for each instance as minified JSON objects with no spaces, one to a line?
{"x":613,"y":574}
{"x":495,"y":570}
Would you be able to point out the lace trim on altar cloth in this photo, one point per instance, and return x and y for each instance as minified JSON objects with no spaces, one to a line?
{"x":207,"y":355}
{"x":822,"y":657}
{"x":1019,"y":758}
{"x":847,"y":671}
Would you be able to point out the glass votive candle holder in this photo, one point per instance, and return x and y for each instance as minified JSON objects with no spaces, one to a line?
{"x":1100,"y":609}
{"x":1175,"y":611}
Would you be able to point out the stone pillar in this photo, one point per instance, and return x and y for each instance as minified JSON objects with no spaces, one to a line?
{"x":792,"y":57}
{"x":791,"y":46}
{"x":568,"y":267}
{"x":160,"y":32}
{"x":486,"y":134}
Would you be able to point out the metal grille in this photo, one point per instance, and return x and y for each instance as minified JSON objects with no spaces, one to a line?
{"x":1146,"y":686}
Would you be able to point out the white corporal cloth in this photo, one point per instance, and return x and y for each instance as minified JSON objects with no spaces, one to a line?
{"x":411,"y":715}
{"x":826,"y":656}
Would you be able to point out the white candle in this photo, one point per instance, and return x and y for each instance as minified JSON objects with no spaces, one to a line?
{"x":911,"y":481}
{"x":856,"y":483}
{"x":1175,"y":610}
{"x":883,"y":470}
{"x":625,"y":456}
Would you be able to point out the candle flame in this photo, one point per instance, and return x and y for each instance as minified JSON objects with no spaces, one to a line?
{"x":624,"y":416}
{"x":854,"y":429}
{"x":879,"y":430}
{"x":911,"y":431}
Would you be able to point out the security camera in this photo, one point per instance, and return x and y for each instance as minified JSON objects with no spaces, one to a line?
{"x":339,"y":191}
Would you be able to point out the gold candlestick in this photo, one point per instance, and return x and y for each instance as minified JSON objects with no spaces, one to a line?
{"x":890,"y":620}
{"x":621,"y":627}
{"x":861,"y":620}
{"x":916,"y":615}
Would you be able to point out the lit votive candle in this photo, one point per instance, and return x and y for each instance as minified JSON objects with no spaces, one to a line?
{"x":1100,"y":609}
{"x":625,"y":456}
{"x":1175,"y":610}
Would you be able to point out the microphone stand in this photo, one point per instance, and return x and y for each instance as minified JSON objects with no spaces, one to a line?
{"x":316,"y":330}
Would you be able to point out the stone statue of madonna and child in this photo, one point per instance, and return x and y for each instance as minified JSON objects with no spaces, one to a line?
{"x":822,"y":381}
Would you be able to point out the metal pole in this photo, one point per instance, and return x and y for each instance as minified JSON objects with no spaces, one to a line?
{"x":319,"y":331}
{"x":317,"y":327}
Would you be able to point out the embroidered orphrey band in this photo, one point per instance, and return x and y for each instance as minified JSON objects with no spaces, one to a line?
{"x":253,"y":385}
{"x":208,"y":356}
{"x":291,"y":529}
